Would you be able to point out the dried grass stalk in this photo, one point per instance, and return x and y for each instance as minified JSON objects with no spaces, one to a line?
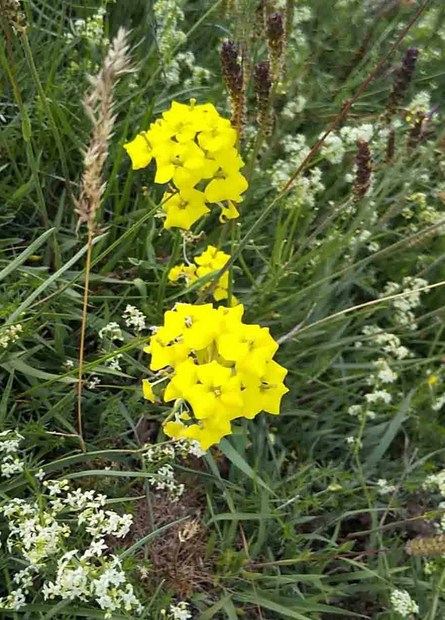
{"x":99,"y":107}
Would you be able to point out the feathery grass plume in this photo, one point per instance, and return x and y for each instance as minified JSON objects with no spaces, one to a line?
{"x":263,"y":85}
{"x":390,"y":146}
{"x":99,"y":107}
{"x":426,"y":546}
{"x":276,"y":40}
{"x":364,"y":169}
{"x":403,"y":77}
{"x":11,"y":11}
{"x":234,"y":78}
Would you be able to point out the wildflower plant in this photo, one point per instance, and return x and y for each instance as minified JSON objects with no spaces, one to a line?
{"x":336,"y":153}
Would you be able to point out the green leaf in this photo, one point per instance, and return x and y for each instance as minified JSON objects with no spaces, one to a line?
{"x":392,"y":428}
{"x":229,"y":451}
{"x":30,"y":250}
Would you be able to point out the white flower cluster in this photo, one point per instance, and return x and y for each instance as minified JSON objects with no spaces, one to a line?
{"x":420,"y":213}
{"x":305,"y":188}
{"x":112,"y":331}
{"x":436,"y":481}
{"x":113,"y":362}
{"x":355,"y":443}
{"x":389,"y":343}
{"x":383,"y":376}
{"x":403,"y":314}
{"x":168,"y":16}
{"x":403,"y":604}
{"x":44,"y":532}
{"x":177,"y":612}
{"x":10,"y":334}
{"x":294,"y":107}
{"x":351,"y":135}
{"x":134,"y":318}
{"x":10,"y":462}
{"x":384,"y":487}
{"x":160,"y":458}
{"x":92,"y":382}
{"x":333,"y":148}
{"x":91,"y":29}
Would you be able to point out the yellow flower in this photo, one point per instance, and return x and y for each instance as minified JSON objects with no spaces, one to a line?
{"x":209,"y":262}
{"x":265,"y":393}
{"x":432,"y":379}
{"x":228,"y":212}
{"x":193,"y":144}
{"x":228,"y":183}
{"x":184,"y":208}
{"x":182,"y":162}
{"x":188,"y":272}
{"x":216,"y":393}
{"x":140,"y":151}
{"x":147,"y":391}
{"x":184,"y":378}
{"x":249,"y":346}
{"x":219,"y":369}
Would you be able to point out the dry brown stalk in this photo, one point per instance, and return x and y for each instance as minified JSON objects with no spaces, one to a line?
{"x":12,"y":12}
{"x":99,"y":107}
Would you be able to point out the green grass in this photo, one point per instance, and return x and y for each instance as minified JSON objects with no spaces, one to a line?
{"x":291,"y":521}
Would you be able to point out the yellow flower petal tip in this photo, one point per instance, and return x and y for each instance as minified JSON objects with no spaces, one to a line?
{"x":147,"y":391}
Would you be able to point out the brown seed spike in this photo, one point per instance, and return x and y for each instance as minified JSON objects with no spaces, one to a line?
{"x":363,"y":174}
{"x":276,"y":39}
{"x":263,"y":85}
{"x":234,"y":78}
{"x":391,"y":145}
{"x":404,"y":75}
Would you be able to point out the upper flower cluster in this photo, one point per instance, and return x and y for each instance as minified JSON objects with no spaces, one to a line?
{"x":195,"y":151}
{"x":208,"y":262}
{"x":222,"y":369}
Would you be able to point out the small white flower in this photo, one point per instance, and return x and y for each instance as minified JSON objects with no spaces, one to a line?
{"x":134,"y":318}
{"x":403,"y":604}
{"x":92,"y":382}
{"x":378,"y":395}
{"x":11,"y":465}
{"x":111,"y":331}
{"x":114,"y":363}
{"x":384,"y":487}
{"x":10,"y":334}
{"x":179,"y":611}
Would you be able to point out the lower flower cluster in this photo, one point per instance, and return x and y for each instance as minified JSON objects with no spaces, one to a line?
{"x":221,"y":369}
{"x":42,"y":534}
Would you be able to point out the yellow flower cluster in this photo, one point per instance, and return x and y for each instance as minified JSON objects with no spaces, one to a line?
{"x":222,"y":369}
{"x":194,"y":149}
{"x":208,"y":262}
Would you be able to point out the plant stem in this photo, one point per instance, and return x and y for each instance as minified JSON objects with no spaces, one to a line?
{"x":82,"y":334}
